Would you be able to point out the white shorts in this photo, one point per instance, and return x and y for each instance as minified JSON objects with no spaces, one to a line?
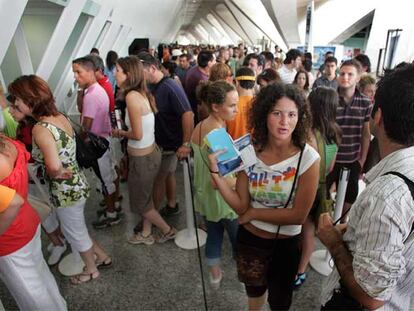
{"x":73,"y":225}
{"x":107,"y":169}
{"x":29,"y":279}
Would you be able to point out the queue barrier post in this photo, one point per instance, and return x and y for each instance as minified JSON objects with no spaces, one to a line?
{"x":320,"y":260}
{"x":187,"y":238}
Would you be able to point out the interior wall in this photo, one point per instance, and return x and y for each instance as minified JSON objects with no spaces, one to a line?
{"x":38,"y":30}
{"x":65,"y":57}
{"x":10,"y":67}
{"x":358,"y":43}
{"x":397,"y":14}
{"x":334,"y":17}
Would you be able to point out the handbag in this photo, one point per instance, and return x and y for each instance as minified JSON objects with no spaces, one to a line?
{"x":89,"y":148}
{"x":342,"y":300}
{"x":325,"y":204}
{"x":252,"y":262}
{"x":42,"y":205}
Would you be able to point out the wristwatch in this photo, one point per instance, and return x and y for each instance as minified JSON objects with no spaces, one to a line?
{"x":186,"y":144}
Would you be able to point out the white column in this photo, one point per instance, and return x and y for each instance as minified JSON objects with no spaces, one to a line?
{"x":212,"y":34}
{"x":85,"y":43}
{"x":22,"y":49}
{"x":60,"y":36}
{"x":121,"y":40}
{"x":10,"y":14}
{"x":309,"y":25}
{"x":3,"y":84}
{"x":109,"y":39}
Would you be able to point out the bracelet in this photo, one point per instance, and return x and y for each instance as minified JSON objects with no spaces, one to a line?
{"x":214,"y":172}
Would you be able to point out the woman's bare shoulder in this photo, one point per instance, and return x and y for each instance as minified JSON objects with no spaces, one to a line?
{"x":135,"y":96}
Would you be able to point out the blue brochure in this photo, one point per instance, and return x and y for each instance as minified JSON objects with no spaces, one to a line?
{"x":240,"y":153}
{"x":219,"y":139}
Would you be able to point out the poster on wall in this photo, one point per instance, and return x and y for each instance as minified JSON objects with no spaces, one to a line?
{"x":318,"y":55}
{"x":350,"y":52}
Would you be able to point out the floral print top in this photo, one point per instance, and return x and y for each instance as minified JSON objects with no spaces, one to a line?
{"x":64,"y":192}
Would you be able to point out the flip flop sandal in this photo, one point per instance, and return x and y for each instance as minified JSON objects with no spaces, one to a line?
{"x":107,"y":263}
{"x":300,"y":279}
{"x":77,"y":279}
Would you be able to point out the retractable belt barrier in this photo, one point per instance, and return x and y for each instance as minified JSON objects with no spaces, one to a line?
{"x":320,"y":260}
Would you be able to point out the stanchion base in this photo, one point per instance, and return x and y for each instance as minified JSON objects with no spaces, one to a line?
{"x":187,"y":239}
{"x":319,"y":262}
{"x":71,"y":265}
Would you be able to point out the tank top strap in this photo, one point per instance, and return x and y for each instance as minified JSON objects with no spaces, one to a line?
{"x":52,"y":129}
{"x":147,"y":103}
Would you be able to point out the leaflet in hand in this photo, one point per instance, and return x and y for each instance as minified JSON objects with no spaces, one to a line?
{"x":239,"y":154}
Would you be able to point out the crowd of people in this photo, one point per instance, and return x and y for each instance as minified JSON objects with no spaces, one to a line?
{"x":306,"y":126}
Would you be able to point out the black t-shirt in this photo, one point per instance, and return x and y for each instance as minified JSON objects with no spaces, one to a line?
{"x":172,"y":103}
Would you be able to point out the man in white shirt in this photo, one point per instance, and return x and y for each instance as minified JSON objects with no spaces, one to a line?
{"x":374,"y":266}
{"x":291,"y":64}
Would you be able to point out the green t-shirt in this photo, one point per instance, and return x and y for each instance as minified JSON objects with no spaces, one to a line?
{"x":10,"y":124}
{"x":208,"y":201}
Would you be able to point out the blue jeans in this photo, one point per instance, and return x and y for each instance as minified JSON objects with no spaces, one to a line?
{"x":215,"y":232}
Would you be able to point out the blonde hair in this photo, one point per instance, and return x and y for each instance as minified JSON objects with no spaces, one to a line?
{"x":219,"y":71}
{"x":366,"y":79}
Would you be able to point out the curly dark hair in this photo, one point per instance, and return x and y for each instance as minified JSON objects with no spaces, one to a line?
{"x":263,"y":104}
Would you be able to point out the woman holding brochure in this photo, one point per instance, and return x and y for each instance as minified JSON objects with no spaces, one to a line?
{"x":273,"y":197}
{"x":221,"y":100}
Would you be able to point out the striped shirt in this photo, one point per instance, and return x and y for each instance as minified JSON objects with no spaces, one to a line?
{"x":351,"y":118}
{"x":378,"y":235}
{"x":324,"y":81}
{"x":287,"y":75}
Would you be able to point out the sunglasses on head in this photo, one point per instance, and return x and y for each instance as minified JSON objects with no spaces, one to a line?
{"x":12,"y":100}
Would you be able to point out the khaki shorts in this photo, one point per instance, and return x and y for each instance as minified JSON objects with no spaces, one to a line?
{"x":142,"y":171}
{"x":168,"y":162}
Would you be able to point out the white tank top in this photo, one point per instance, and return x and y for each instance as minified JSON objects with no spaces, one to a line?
{"x":148,"y":128}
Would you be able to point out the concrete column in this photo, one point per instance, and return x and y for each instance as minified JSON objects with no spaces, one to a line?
{"x":309,"y":25}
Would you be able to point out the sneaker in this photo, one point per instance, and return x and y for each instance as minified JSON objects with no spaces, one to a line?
{"x":103,"y":202}
{"x":107,"y":220}
{"x":50,"y":247}
{"x":138,"y":228}
{"x":56,"y":255}
{"x":140,"y":239}
{"x":215,"y":283}
{"x":102,"y":211}
{"x":168,"y":236}
{"x":169,"y":211}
